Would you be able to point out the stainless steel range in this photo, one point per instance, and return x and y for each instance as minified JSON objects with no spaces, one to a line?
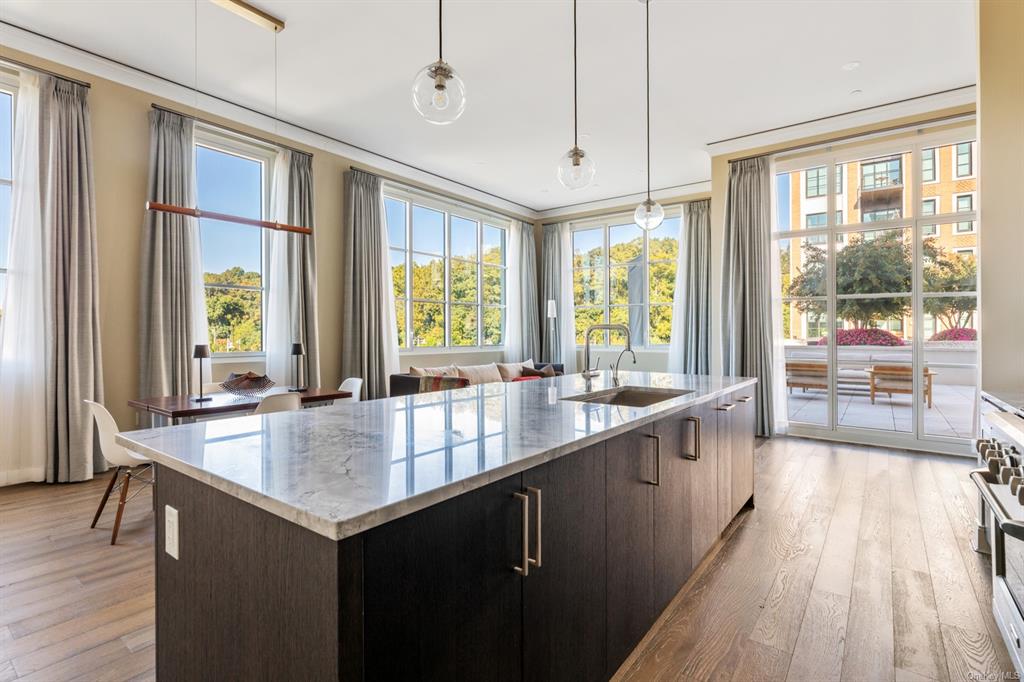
{"x":1000,"y":532}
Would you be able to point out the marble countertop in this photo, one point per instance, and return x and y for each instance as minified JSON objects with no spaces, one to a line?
{"x":343,"y":469}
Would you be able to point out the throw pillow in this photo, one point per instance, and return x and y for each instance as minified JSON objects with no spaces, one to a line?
{"x":513,"y":370}
{"x":547,"y":372}
{"x":526,"y":379}
{"x":480,"y":374}
{"x":448,"y":371}
{"x":429,"y":384}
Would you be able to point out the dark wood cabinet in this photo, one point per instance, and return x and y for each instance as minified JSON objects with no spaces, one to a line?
{"x":673,"y":550}
{"x":631,"y":468}
{"x":441,"y":598}
{"x":704,"y":485}
{"x":564,"y":597}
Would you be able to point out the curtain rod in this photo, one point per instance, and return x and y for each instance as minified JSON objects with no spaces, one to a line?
{"x":460,"y":200}
{"x":39,"y":69}
{"x":221,"y":126}
{"x":861,"y":136}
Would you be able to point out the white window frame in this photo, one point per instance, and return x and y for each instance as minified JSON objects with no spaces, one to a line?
{"x":9,"y":85}
{"x":807,"y":184}
{"x":238,"y":145}
{"x":956,"y":210}
{"x":935,"y":163}
{"x":449,"y":207}
{"x":974,"y":160}
{"x":604,"y":223}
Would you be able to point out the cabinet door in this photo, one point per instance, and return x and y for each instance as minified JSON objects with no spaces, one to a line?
{"x":441,"y":599}
{"x":725,"y":410}
{"x":564,"y":597}
{"x":673,"y":551}
{"x":630,"y":538}
{"x":704,"y":486}
{"x":743,"y":426}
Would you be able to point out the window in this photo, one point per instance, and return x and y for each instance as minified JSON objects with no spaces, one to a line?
{"x":6,"y":177}
{"x":817,"y":181}
{"x":883,"y":214}
{"x":816,"y":220}
{"x":929,"y":167}
{"x":624,"y":275}
{"x":232,"y":176}
{"x":448,"y":272}
{"x":840,"y":189}
{"x":964,"y":160}
{"x":964,"y":204}
{"x":882,"y":173}
{"x":928,"y":208}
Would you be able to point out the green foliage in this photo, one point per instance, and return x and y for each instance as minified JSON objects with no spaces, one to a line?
{"x":234,"y":316}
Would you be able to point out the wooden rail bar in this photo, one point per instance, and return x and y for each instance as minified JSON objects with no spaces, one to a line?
{"x":226,"y":217}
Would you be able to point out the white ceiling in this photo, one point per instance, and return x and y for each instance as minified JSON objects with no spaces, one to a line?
{"x":719,"y":69}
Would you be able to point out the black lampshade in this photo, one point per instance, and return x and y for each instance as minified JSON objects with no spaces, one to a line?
{"x":297,"y":349}
{"x":201,"y":350}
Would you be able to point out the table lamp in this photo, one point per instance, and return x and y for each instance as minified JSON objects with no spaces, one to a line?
{"x":200,"y":352}
{"x":298,"y":351}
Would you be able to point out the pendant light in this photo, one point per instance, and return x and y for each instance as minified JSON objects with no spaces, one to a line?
{"x":438,"y":93}
{"x":575,"y":169}
{"x":648,"y":213}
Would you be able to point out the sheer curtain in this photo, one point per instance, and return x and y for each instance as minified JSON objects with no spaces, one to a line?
{"x":746,"y":288}
{"x":22,"y":330}
{"x":560,"y":338}
{"x":566,"y":304}
{"x":368,"y":329}
{"x":291,"y":274}
{"x":690,"y":346}
{"x":522,"y":335}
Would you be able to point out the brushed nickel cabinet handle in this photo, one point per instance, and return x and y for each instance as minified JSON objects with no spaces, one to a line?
{"x":744,"y":399}
{"x":696,"y":439}
{"x":524,"y":570}
{"x":537,"y":525}
{"x":726,"y":407}
{"x":657,"y":459}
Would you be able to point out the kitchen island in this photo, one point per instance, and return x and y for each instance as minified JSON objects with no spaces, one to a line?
{"x":496,"y":532}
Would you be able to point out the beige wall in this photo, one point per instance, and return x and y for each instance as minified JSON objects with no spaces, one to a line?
{"x":120,"y":128}
{"x":1001,"y":178}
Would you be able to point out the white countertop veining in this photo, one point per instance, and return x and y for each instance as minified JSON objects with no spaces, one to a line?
{"x":343,"y":469}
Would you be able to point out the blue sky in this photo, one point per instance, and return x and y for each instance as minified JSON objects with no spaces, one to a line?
{"x":229,"y":184}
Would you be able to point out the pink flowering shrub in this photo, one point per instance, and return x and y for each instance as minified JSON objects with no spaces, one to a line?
{"x":864,"y":337}
{"x":956,"y":334}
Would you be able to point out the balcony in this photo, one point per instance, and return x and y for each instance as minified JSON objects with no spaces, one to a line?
{"x":884,"y":194}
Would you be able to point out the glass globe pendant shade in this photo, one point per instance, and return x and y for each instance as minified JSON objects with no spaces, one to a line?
{"x":438,"y":93}
{"x":576,"y":169}
{"x":648,"y":214}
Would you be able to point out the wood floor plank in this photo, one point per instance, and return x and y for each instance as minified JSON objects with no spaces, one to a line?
{"x":835,"y":570}
{"x":970,"y":655}
{"x":918,"y":639}
{"x":818,"y":654}
{"x":761,"y":663}
{"x":907,"y":536}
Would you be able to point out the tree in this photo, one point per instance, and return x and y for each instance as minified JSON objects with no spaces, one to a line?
{"x":950,"y":272}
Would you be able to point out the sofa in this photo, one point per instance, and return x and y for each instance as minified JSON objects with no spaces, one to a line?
{"x":408,"y":383}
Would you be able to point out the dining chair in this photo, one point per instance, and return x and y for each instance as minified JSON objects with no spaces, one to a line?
{"x":279,"y":402}
{"x":353,"y":385}
{"x":121,"y":458}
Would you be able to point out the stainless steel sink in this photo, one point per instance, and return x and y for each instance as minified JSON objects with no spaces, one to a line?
{"x":630,"y":396}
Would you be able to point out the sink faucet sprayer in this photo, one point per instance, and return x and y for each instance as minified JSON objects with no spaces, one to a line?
{"x":589,"y":372}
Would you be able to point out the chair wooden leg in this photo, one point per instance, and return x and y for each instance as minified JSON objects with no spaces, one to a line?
{"x":120,"y":506}
{"x":106,"y":495}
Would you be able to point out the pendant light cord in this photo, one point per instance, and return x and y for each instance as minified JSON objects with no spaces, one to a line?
{"x":440,"y":32}
{"x":575,"y":97}
{"x":647,"y":15}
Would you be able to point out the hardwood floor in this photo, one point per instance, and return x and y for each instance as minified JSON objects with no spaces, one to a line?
{"x":855,"y":565}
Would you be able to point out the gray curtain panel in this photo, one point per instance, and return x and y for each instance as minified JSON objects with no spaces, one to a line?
{"x":551,"y":287}
{"x":528,"y":287}
{"x":170,"y":244}
{"x":746,"y":282}
{"x":74,"y":365}
{"x":366,"y":331}
{"x":301,"y":257}
{"x":696,"y":309}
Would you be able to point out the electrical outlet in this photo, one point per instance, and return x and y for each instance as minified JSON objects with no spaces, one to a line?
{"x":171,"y":530}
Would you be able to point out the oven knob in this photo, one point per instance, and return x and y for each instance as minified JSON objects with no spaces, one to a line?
{"x":1020,"y":494}
{"x":994,"y":454}
{"x":1015,"y":482}
{"x":1007,"y":471}
{"x":990,"y":450}
{"x":995,"y":464}
{"x":982,"y":442}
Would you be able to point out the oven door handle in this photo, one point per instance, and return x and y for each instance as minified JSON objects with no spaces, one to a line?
{"x":983,"y":479}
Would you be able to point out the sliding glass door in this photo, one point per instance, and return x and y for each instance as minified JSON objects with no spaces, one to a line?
{"x":876,"y":291}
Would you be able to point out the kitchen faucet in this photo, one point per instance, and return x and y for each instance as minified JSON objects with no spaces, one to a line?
{"x":589,"y":372}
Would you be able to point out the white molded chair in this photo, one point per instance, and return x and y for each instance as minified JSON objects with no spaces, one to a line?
{"x":353,"y":385}
{"x":121,"y":458}
{"x":279,"y":402}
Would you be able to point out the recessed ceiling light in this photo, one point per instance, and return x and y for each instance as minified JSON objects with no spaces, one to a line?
{"x":855,"y":92}
{"x":851,"y":66}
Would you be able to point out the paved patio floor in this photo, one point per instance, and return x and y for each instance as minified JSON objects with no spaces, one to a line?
{"x":952,"y":413}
